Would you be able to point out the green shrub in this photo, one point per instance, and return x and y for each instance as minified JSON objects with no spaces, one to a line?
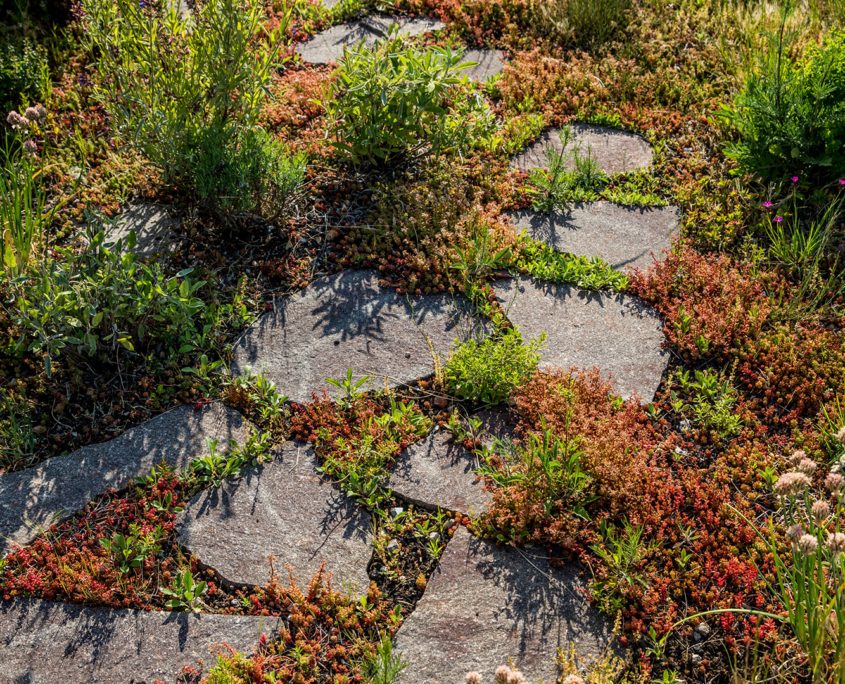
{"x":587,"y":23}
{"x":489,"y":370}
{"x":390,"y":101}
{"x":103,"y":302}
{"x":24,"y":71}
{"x":188,"y":91}
{"x":790,"y":115}
{"x":537,"y":259}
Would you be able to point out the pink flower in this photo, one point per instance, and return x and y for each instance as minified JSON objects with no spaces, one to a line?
{"x":768,"y":205}
{"x":841,"y":182}
{"x":778,"y":219}
{"x":794,"y":179}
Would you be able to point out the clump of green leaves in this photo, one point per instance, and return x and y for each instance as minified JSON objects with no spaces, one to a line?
{"x":187,"y":90}
{"x":24,"y":70}
{"x":132,"y":549}
{"x":185,"y":592}
{"x":538,"y":259}
{"x":391,"y":102}
{"x":622,"y":552}
{"x":490,"y":369}
{"x":571,"y":177}
{"x":707,"y":400}
{"x":214,"y":467}
{"x":790,"y":114}
{"x":103,"y":302}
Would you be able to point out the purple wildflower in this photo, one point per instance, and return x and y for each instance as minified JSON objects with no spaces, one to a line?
{"x":768,"y":205}
{"x":794,"y":179}
{"x":778,"y":219}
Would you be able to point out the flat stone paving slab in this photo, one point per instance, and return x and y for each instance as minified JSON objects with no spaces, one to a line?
{"x":440,"y":472}
{"x":489,"y":63}
{"x":32,"y":499}
{"x":625,"y":237}
{"x":287,"y":509}
{"x":154,"y":225}
{"x":485,"y":605}
{"x":615,"y":151}
{"x":617,"y":334}
{"x":327,"y":46}
{"x":349,"y":321}
{"x":42,"y":642}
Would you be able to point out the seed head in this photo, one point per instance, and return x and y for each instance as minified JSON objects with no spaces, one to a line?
{"x":502,"y":675}
{"x":30,"y":147}
{"x":836,"y":542}
{"x":16,"y":121}
{"x":472,"y":678}
{"x":791,"y":483}
{"x":807,"y":466}
{"x":794,"y":533}
{"x":572,"y":679}
{"x":834,"y":483}
{"x":797,"y":456}
{"x":840,"y":435}
{"x":821,"y":510}
{"x":808,"y":544}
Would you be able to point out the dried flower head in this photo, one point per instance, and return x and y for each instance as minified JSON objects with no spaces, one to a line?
{"x":16,"y":121}
{"x":840,"y":435}
{"x":472,"y":678}
{"x":834,"y":483}
{"x":791,"y":483}
{"x":517,"y":678}
{"x":807,"y":466}
{"x":821,"y":510}
{"x":836,"y":542}
{"x":573,"y":679}
{"x":30,"y":146}
{"x":808,"y":544}
{"x":797,"y":456}
{"x":794,"y":533}
{"x":35,"y":114}
{"x":503,"y":673}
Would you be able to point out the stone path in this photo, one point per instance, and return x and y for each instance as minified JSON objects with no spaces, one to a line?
{"x":33,"y":498}
{"x":284,"y":508}
{"x":44,"y":643}
{"x":625,"y":237}
{"x":350,"y":321}
{"x":489,"y":63}
{"x":613,"y":150}
{"x":328,"y":45}
{"x":485,"y":605}
{"x":615,"y":333}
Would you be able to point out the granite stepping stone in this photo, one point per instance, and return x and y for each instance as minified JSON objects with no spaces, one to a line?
{"x":440,"y":473}
{"x":327,"y":46}
{"x":617,"y":334}
{"x":489,"y":63}
{"x":486,"y":605}
{"x":349,"y":321}
{"x":615,"y":151}
{"x":32,"y":499}
{"x":625,"y":237}
{"x":287,"y":509}
{"x":42,"y":642}
{"x":155,"y":228}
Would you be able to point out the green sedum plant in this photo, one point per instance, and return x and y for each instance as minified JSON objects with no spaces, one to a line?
{"x":490,"y":369}
{"x":187,"y":90}
{"x":391,"y":101}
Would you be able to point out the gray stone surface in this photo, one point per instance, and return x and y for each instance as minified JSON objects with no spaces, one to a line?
{"x":32,"y":499}
{"x":625,"y":237}
{"x":286,"y":509}
{"x":328,"y":45}
{"x":485,"y":605}
{"x":488,"y":63}
{"x":615,"y":151}
{"x":43,"y":642}
{"x":440,"y":472}
{"x":616,"y":333}
{"x":349,"y":321}
{"x":155,"y":228}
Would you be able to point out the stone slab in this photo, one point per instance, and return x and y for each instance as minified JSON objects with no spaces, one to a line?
{"x":155,"y":228}
{"x":485,"y":605}
{"x":489,"y":63}
{"x":625,"y":237}
{"x":32,"y":499}
{"x":440,"y":473}
{"x":349,"y":321}
{"x":618,"y":334}
{"x":43,"y":642}
{"x":327,"y":46}
{"x":615,"y":151}
{"x":286,"y":509}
